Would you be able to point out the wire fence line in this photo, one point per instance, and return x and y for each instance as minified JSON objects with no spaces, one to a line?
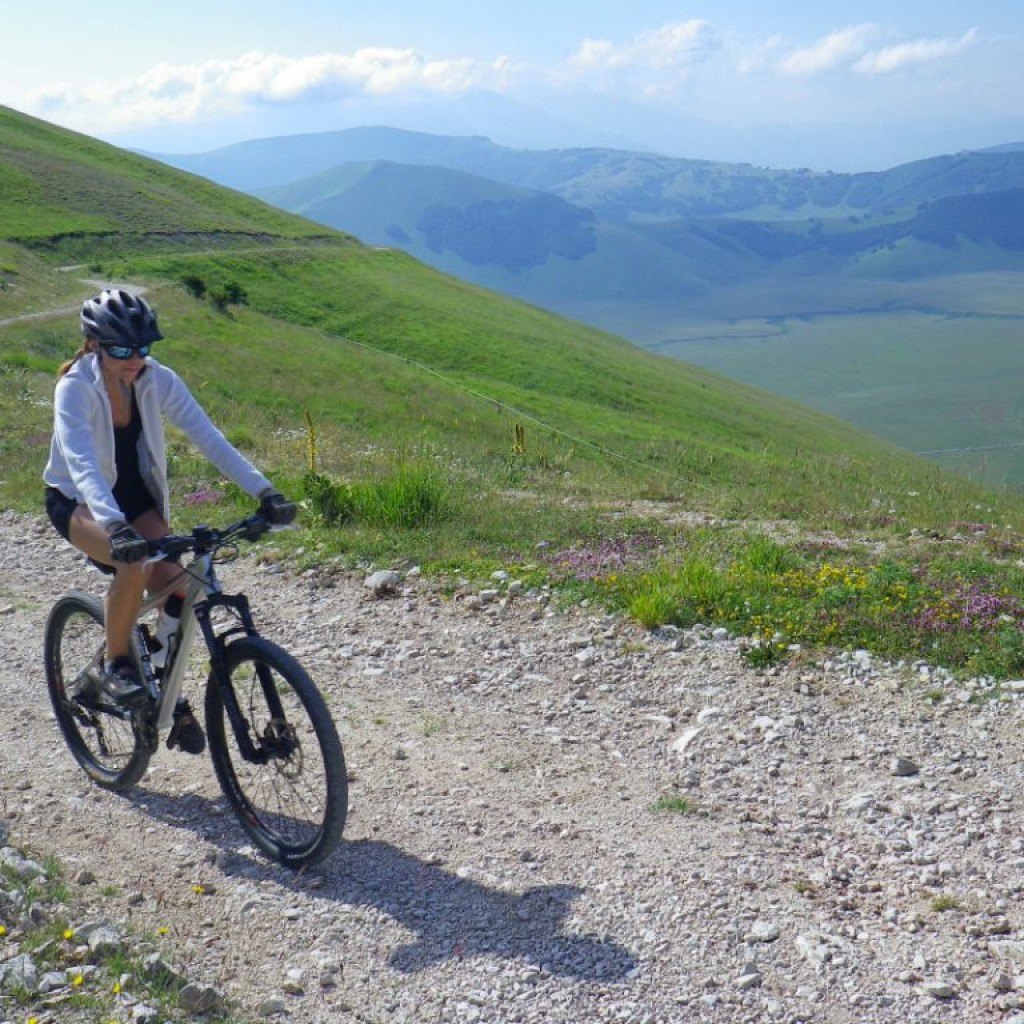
{"x":499,"y":403}
{"x":974,"y":448}
{"x":511,"y":409}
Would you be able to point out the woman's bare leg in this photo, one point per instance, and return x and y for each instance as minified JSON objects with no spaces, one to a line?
{"x":124,"y":597}
{"x":152,"y":526}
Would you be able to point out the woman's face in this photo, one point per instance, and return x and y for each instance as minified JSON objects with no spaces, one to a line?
{"x":121,"y":371}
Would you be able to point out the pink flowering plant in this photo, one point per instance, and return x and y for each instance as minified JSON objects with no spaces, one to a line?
{"x":964,"y":611}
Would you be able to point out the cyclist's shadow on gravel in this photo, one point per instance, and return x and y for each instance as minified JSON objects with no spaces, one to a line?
{"x":454,"y":914}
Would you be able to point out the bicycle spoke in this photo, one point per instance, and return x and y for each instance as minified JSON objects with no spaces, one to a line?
{"x":287,"y":792}
{"x":292,"y":795}
{"x":103,"y":742}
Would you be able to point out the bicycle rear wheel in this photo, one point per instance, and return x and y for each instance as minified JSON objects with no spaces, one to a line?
{"x":292,"y":796}
{"x":105,"y":742}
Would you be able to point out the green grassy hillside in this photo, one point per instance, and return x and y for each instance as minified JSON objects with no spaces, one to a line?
{"x":369,"y":332}
{"x":540,"y":248}
{"x":886,"y":298}
{"x":388,"y":356}
{"x":55,"y":185}
{"x":404,"y":192}
{"x":430,"y":211}
{"x":418,"y":417}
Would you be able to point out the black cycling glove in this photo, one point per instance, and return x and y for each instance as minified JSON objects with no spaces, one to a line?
{"x":127,"y":545}
{"x":277,"y":509}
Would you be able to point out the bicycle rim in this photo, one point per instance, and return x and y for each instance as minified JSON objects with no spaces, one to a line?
{"x":106,"y":746}
{"x":293,"y":798}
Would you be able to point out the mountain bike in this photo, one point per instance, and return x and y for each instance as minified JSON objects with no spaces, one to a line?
{"x":274,"y":745}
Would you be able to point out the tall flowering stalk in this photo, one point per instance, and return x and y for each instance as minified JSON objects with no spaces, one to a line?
{"x":311,"y":445}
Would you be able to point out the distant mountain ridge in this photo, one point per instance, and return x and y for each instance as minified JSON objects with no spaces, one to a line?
{"x":564,"y":228}
{"x":614,"y":184}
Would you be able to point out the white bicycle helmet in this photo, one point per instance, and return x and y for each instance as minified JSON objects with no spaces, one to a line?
{"x":116,"y":318}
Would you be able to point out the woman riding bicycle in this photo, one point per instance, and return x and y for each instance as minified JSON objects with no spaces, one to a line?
{"x":106,"y":478}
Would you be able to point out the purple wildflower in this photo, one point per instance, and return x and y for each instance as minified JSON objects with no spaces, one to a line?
{"x":971,"y":606}
{"x":607,"y":556}
{"x":203,"y":496}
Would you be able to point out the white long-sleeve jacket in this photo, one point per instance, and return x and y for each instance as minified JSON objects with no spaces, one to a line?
{"x":82,"y":459}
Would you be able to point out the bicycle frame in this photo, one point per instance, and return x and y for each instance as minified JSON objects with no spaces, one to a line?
{"x":203,"y":593}
{"x":198,"y":580}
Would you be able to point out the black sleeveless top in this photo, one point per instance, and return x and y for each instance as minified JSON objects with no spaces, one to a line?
{"x":130,"y":491}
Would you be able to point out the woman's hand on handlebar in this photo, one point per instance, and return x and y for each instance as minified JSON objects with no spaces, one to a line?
{"x":277,"y":509}
{"x":127,"y":545}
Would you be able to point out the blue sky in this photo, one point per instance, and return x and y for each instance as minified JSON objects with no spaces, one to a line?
{"x":832,"y":86}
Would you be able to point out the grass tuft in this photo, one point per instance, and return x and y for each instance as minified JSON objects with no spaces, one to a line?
{"x":674,"y":805}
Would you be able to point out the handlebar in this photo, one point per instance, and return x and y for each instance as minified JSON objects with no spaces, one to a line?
{"x":204,"y":539}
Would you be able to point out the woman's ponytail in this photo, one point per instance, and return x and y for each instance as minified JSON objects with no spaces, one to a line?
{"x":83,"y":351}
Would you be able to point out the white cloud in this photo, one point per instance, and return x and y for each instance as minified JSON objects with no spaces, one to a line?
{"x":659,"y":63}
{"x":750,"y":59}
{"x":674,"y":47}
{"x":849,"y":48}
{"x":892,"y":58}
{"x":835,"y":50}
{"x":184,"y":93}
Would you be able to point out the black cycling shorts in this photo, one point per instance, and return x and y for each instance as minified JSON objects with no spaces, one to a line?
{"x":133,"y":497}
{"x":60,"y":508}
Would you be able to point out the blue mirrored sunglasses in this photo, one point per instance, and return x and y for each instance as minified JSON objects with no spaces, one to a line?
{"x":127,"y":351}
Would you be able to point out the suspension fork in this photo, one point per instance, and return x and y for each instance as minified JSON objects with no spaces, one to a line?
{"x":217,"y":646}
{"x":216,"y":643}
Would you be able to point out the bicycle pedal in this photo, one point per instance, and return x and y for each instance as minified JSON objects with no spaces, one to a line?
{"x":186,"y":734}
{"x":85,"y":685}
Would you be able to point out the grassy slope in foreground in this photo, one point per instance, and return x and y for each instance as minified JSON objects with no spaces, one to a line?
{"x":393,"y":361}
{"x":686,"y":431}
{"x":680,"y":432}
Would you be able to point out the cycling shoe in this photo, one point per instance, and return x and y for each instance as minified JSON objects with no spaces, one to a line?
{"x":122,"y":685}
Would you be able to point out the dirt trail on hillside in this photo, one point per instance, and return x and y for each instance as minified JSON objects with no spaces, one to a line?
{"x":72,"y":310}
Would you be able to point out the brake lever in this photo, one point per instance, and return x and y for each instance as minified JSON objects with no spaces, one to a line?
{"x":160,"y":556}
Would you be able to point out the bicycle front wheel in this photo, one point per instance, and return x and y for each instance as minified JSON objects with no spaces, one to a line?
{"x":104,"y":741}
{"x":291,"y":792}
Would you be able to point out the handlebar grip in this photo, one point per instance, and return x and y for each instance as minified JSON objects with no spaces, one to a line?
{"x":255,"y":526}
{"x":205,"y":538}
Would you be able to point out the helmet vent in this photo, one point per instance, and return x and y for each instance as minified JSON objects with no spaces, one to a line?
{"x":117,"y":317}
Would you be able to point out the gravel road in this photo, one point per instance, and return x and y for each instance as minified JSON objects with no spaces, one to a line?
{"x":559,"y":817}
